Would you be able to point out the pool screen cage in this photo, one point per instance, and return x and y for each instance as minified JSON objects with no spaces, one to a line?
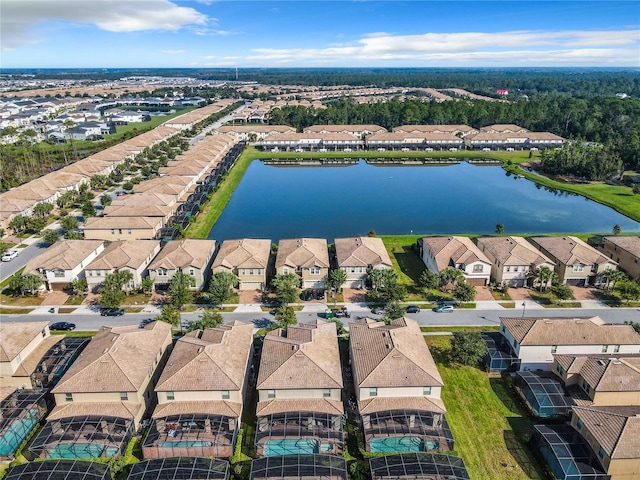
{"x":85,"y":436}
{"x":323,"y":427}
{"x":194,"y":434}
{"x":544,"y":394}
{"x":20,"y":411}
{"x":397,"y":423}
{"x":60,"y":470}
{"x":57,"y":360}
{"x":566,"y":453}
{"x":180,"y":468}
{"x":499,"y":357}
{"x":426,"y":466}
{"x":326,"y":467}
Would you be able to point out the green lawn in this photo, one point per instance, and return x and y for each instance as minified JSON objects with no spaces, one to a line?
{"x":487,"y":421}
{"x":406,"y":262}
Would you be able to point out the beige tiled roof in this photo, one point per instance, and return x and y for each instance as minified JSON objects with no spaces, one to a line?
{"x":630,"y":244}
{"x":454,"y":250}
{"x":212,"y":359}
{"x":503,"y":127}
{"x":148,"y":210}
{"x":571,"y":250}
{"x":315,"y":405}
{"x":64,"y":254}
{"x":394,"y":355}
{"x":306,"y":358}
{"x":243,"y":253}
{"x":537,"y":136}
{"x":173,"y":184}
{"x":15,"y":336}
{"x":453,"y":129}
{"x":361,"y":252}
{"x":302,"y":252}
{"x":144,"y":199}
{"x":81,"y":409}
{"x":136,"y":223}
{"x":211,"y":407}
{"x":501,"y":136}
{"x":383,"y":404}
{"x":569,"y":331}
{"x":117,"y":359}
{"x":125,"y":253}
{"x":256,"y":128}
{"x":615,"y":429}
{"x":344,"y":128}
{"x":612,"y":374}
{"x":513,"y":251}
{"x":29,"y":364}
{"x":414,"y":136}
{"x":184,"y":253}
{"x":6,"y":391}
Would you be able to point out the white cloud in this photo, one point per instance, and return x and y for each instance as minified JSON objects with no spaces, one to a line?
{"x":527,"y":47}
{"x":21,"y":18}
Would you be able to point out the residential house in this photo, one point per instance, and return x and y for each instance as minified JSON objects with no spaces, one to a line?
{"x":357,"y":256}
{"x":439,"y":253}
{"x":190,"y":256}
{"x":359,"y":131}
{"x":577,"y":263}
{"x":299,"y":391}
{"x":113,"y":228}
{"x":64,"y":261}
{"x":625,"y":251}
{"x":306,"y":257}
{"x":398,"y":387}
{"x":457,"y":130}
{"x":247,"y":259}
{"x":22,"y":345}
{"x":131,"y":255}
{"x":535,"y":340}
{"x":254,"y":132}
{"x":513,"y":260}
{"x":204,"y":385}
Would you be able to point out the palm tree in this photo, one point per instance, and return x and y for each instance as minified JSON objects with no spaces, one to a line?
{"x":613,"y":277}
{"x":544,"y":275}
{"x":451,"y":276}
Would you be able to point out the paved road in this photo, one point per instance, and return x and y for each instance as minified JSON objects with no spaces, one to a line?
{"x":93,"y":321}
{"x":25,"y":254}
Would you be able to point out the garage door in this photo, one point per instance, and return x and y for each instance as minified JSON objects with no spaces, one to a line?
{"x":313,"y":284}
{"x":250,"y":286}
{"x":576,"y":282}
{"x":478,"y":282}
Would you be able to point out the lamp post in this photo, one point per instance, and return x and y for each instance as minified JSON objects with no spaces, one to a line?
{"x":524,"y":305}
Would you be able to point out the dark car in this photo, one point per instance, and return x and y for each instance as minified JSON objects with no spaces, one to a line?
{"x":378,"y":311}
{"x":341,"y":312}
{"x":146,"y":322}
{"x":443,"y":309}
{"x":112,"y":312}
{"x":412,"y":309}
{"x":62,"y":326}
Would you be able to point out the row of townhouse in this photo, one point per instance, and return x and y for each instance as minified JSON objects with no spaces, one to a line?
{"x":514,"y":260}
{"x":586,"y":372}
{"x":404,"y":138}
{"x":22,"y":199}
{"x":192,"y":399}
{"x":251,"y":260}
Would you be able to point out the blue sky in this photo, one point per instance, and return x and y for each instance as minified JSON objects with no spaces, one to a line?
{"x":208,"y":33}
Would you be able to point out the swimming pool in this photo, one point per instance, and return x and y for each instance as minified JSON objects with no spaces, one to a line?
{"x":186,"y":444}
{"x":16,"y":433}
{"x":397,"y":444}
{"x":290,"y":447}
{"x":82,"y":450}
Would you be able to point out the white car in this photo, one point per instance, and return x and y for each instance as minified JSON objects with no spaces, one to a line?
{"x":10,"y":255}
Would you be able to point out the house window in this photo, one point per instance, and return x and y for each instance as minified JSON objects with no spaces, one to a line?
{"x":605,"y":348}
{"x":58,"y":273}
{"x":426,"y":391}
{"x":225,"y":395}
{"x":554,"y":348}
{"x":119,"y":231}
{"x":113,"y":232}
{"x":579,"y":424}
{"x":353,"y":269}
{"x":326,"y":392}
{"x":162,"y":272}
{"x":314,"y":270}
{"x":44,"y":333}
{"x":68,"y":397}
{"x":601,"y":453}
{"x":585,"y":386}
{"x":124,"y":396}
{"x":285,"y":270}
{"x":508,"y":269}
{"x":129,"y":231}
{"x":578,"y":268}
{"x":373,"y":392}
{"x":271,"y":394}
{"x":171,"y":396}
{"x":251,"y":271}
{"x":616,"y":348}
{"x":191,"y":272}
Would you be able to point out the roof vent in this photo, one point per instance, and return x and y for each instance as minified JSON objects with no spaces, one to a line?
{"x":602,"y":362}
{"x":105,"y":350}
{"x":548,"y":322}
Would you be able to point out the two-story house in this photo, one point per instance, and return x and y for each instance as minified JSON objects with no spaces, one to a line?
{"x":247,"y":259}
{"x":306,"y":257}
{"x":359,"y":255}
{"x":64,"y":261}
{"x":299,"y":391}
{"x":577,"y":263}
{"x":513,"y":260}
{"x":190,"y":256}
{"x":535,"y":340}
{"x":131,"y":255}
{"x":200,"y":394}
{"x":398,"y":387}
{"x":625,"y":251}
{"x":439,"y":253}
{"x":102,"y":397}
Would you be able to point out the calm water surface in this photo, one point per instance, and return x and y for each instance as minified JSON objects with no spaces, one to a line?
{"x":329,"y":202}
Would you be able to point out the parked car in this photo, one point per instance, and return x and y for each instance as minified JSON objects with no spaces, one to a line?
{"x":443,"y":309}
{"x":146,"y":322}
{"x":112,"y":312}
{"x":62,"y":326}
{"x":10,"y":255}
{"x":378,"y":311}
{"x":341,"y":312}
{"x":412,"y":309}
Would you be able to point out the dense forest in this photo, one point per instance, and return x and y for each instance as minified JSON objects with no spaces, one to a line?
{"x":611,"y":121}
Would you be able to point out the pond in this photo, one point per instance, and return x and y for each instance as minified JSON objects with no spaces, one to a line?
{"x":279,"y":202}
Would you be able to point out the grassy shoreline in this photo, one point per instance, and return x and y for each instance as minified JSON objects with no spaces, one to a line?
{"x":619,"y":198}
